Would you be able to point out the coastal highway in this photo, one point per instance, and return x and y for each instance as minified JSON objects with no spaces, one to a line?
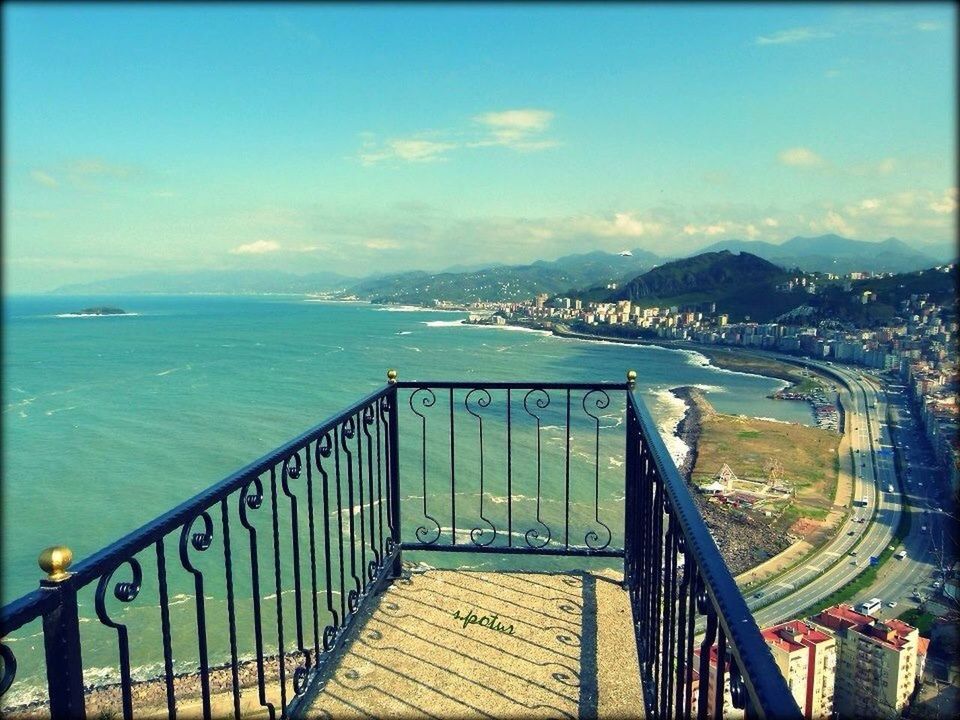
{"x":924,"y":544}
{"x":834,"y":565}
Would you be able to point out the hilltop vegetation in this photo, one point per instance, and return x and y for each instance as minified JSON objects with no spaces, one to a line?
{"x":741,"y":285}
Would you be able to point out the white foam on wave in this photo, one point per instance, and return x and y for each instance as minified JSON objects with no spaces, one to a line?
{"x":669,"y":409}
{"x":412,"y":308}
{"x":167,"y":372}
{"x":405,"y":332}
{"x":443,"y":323}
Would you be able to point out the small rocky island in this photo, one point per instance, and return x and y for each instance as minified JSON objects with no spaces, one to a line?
{"x":102,"y":311}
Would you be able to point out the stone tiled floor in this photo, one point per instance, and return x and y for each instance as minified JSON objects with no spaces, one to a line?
{"x":571,"y":654}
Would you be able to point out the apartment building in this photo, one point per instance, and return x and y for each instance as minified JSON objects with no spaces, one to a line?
{"x":807,"y":658}
{"x":729,"y":712}
{"x":877,"y":662}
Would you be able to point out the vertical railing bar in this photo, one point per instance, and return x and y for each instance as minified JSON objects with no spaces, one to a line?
{"x":395,"y":478}
{"x":703,"y":690}
{"x":345,"y":435}
{"x":566,"y":498}
{"x":363,"y":524}
{"x":509,"y":476}
{"x":364,"y":415}
{"x":231,"y":616}
{"x":165,"y":629}
{"x":719,"y":689}
{"x":311,"y":527}
{"x":295,"y":550}
{"x":453,"y":476}
{"x":254,"y":502}
{"x":380,"y":451}
{"x":281,"y":653}
{"x":336,"y":463}
{"x":691,"y":567}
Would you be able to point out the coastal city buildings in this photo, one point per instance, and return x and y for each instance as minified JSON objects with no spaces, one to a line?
{"x":807,"y":657}
{"x":918,"y":344}
{"x":876,"y":669}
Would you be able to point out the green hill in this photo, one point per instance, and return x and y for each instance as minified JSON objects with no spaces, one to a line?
{"x":742,"y":285}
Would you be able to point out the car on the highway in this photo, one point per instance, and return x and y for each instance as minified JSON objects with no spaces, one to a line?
{"x":892,"y":603}
{"x":851,"y":533}
{"x":853,"y":552}
{"x":758,"y":594}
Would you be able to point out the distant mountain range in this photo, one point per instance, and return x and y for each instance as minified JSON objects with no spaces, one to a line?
{"x":212,"y":281}
{"x":832,"y":253}
{"x":506,"y":282}
{"x":495,"y":281}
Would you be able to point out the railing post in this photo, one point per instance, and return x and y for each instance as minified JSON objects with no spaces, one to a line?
{"x":630,"y":489}
{"x":394,"y":459}
{"x":61,"y":637}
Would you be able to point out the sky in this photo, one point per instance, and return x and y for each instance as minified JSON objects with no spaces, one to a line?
{"x":378,"y":138}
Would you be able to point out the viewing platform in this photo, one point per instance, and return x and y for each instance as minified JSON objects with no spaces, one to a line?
{"x":437,"y":549}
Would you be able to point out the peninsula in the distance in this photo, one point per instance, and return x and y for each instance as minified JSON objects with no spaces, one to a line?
{"x":102,"y":311}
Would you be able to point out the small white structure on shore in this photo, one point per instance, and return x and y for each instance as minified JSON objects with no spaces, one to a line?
{"x":714,"y":488}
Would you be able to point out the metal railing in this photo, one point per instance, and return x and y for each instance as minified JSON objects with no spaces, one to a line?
{"x":489,"y":468}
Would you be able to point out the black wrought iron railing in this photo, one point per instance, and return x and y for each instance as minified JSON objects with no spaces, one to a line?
{"x":274,"y":563}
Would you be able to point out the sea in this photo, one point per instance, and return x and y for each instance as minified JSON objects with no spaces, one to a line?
{"x":108,"y":421}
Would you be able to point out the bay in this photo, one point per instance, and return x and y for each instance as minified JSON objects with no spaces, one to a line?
{"x":109,"y":421}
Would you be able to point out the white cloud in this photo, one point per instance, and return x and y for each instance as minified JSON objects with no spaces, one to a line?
{"x":408,"y":150}
{"x":381,"y":244}
{"x":799,"y":157}
{"x":623,"y":224}
{"x":793,"y":35}
{"x":869,"y":204}
{"x":886,"y":166}
{"x":833,"y":222}
{"x":947,"y":204}
{"x":44,"y":179}
{"x":771,"y":222}
{"x":928,"y":26}
{"x":831,"y":73}
{"x":518,"y":129}
{"x":97,"y":167}
{"x":521,"y":129}
{"x":258,"y":247}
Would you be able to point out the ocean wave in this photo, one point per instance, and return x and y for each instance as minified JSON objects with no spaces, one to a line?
{"x":405,"y":332}
{"x":670,"y":411}
{"x":410,"y":347}
{"x":442,"y":323}
{"x":56,"y":410}
{"x":167,"y":372}
{"x":412,"y":308}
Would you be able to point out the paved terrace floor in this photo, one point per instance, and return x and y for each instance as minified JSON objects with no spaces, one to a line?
{"x":571,"y":655}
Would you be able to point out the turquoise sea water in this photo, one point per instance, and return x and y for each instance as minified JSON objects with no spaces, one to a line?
{"x":110,"y":421}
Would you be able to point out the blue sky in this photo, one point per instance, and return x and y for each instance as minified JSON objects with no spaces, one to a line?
{"x":370,"y":138}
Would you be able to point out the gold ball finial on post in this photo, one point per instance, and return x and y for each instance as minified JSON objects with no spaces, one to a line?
{"x":54,"y":561}
{"x":631,"y":377}
{"x":392,"y":376}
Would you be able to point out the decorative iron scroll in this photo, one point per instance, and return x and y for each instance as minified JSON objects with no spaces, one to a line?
{"x":601,"y":401}
{"x":541,"y":400}
{"x":483,"y":400}
{"x":428,"y":400}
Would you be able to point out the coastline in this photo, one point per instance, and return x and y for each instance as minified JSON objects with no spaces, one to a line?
{"x":689,"y":427}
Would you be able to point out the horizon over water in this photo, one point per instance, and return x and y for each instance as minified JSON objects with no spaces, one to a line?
{"x":110,"y":421}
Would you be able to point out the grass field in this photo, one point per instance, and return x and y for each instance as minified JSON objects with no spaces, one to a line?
{"x":807,"y":456}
